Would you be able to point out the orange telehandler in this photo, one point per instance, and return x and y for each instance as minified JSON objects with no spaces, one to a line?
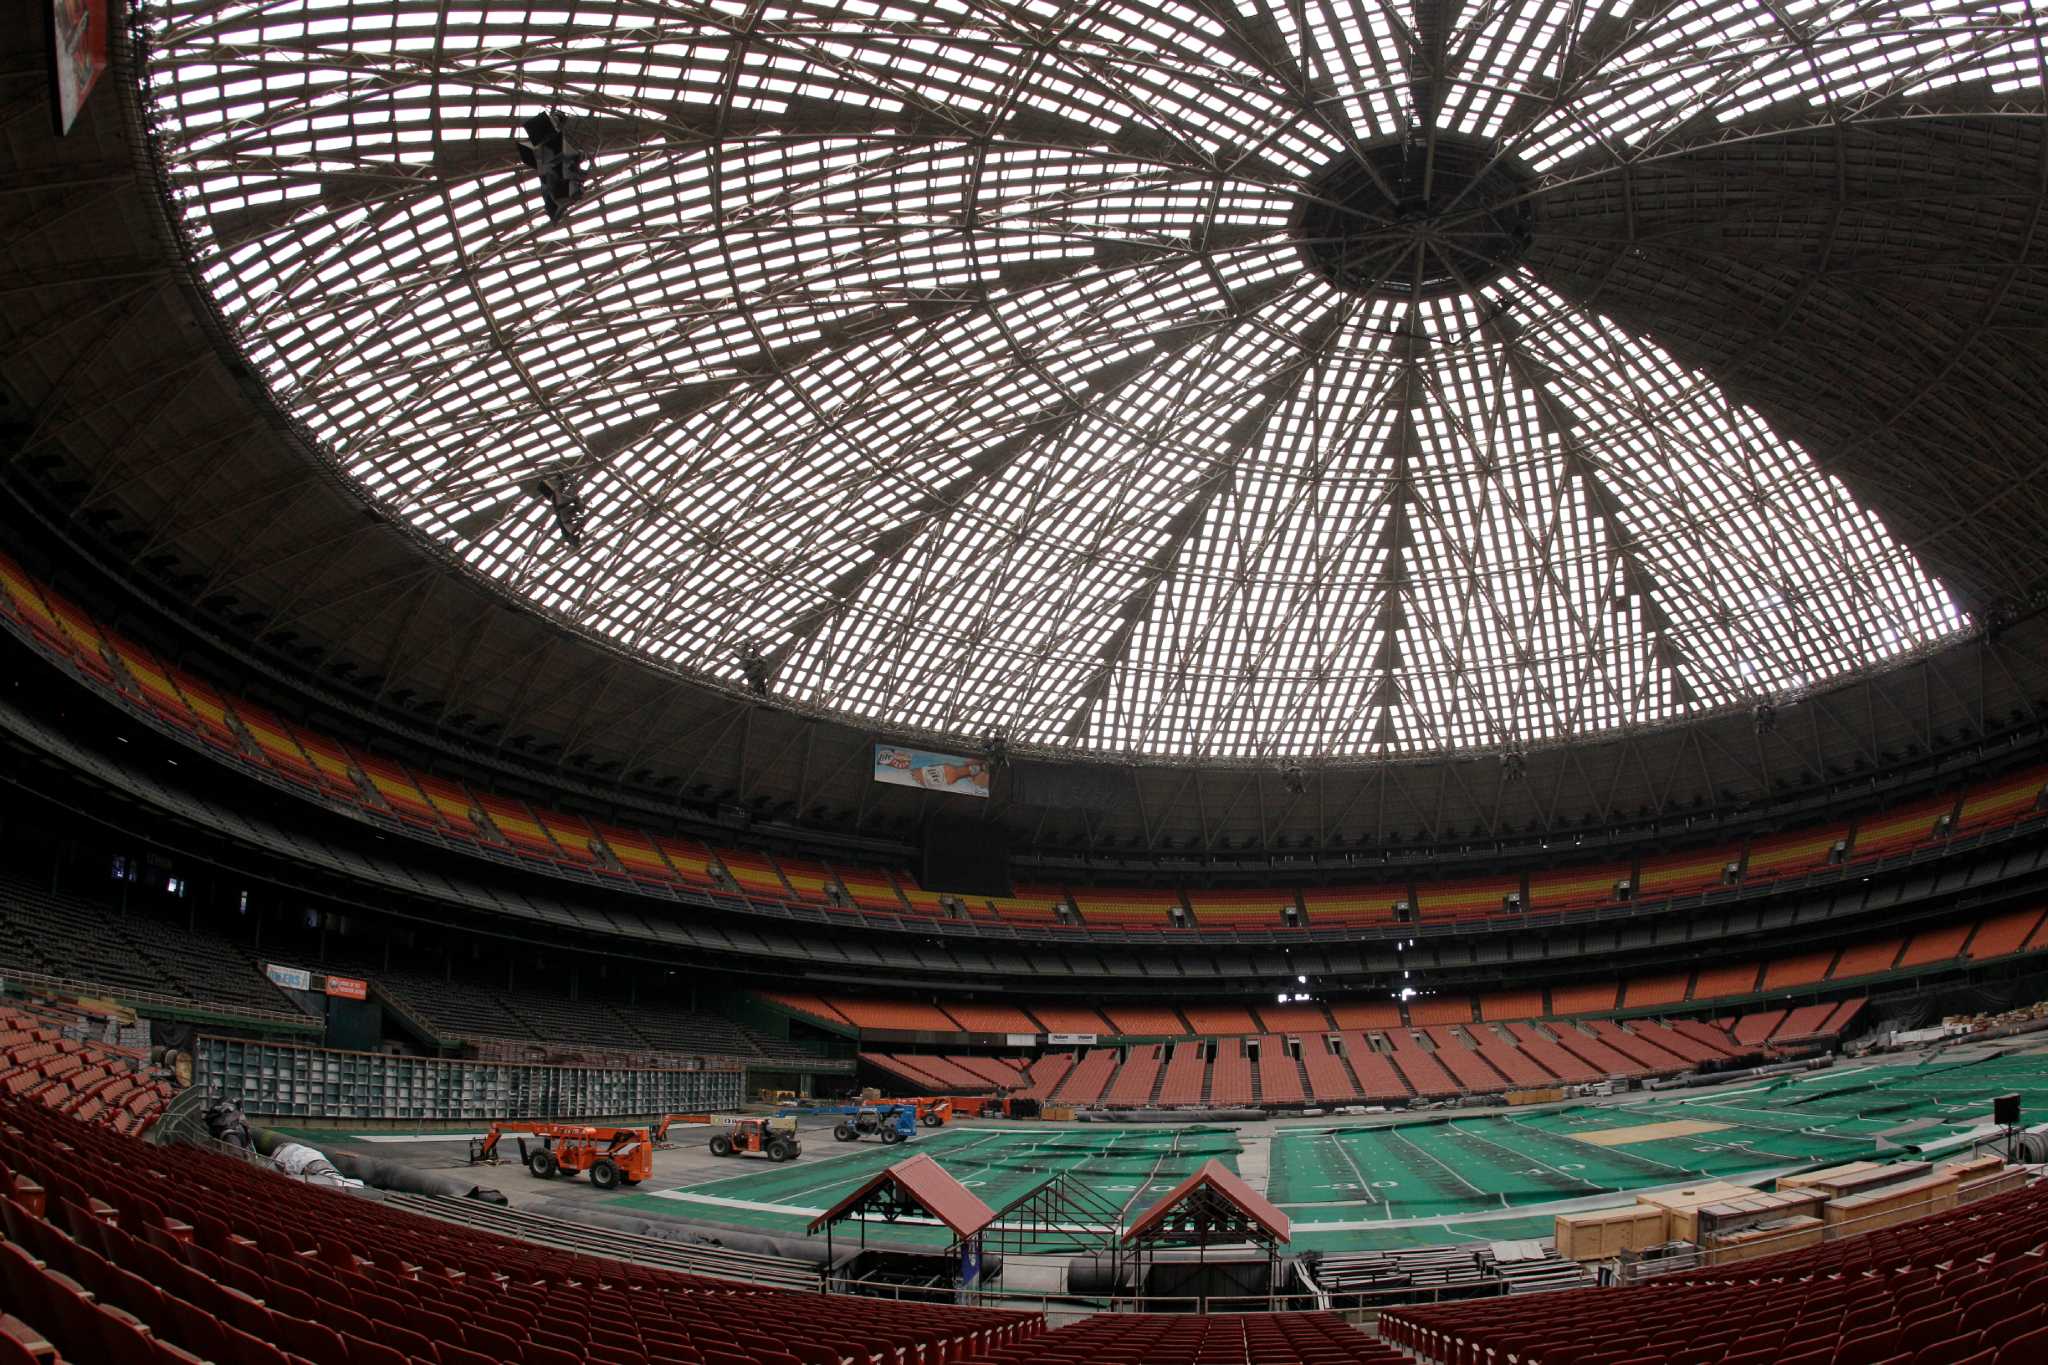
{"x":612,"y":1156}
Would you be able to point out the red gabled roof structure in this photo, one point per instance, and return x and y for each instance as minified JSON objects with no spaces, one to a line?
{"x":1214,"y":1181}
{"x":919,"y":1183}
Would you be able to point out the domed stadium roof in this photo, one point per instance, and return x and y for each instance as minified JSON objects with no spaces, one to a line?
{"x":1207,"y":380}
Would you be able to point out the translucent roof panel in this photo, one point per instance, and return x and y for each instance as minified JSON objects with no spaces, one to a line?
{"x":1159,"y":379}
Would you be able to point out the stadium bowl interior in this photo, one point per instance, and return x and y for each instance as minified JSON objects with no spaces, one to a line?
{"x":1048,"y":683}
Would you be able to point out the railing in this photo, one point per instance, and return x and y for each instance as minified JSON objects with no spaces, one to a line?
{"x":44,"y":983}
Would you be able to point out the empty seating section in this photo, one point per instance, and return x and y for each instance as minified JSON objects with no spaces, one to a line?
{"x":1003,"y":1073}
{"x":1803,"y":1024}
{"x":1471,"y":1072}
{"x":1712,"y":983}
{"x":566,"y":842}
{"x":128,"y":952}
{"x":1329,"y":1081}
{"x":1419,"y":1067}
{"x":1247,"y":909}
{"x":1513,"y":1005}
{"x":1862,"y":959}
{"x":1575,"y":888}
{"x":1090,"y":1076}
{"x":1185,"y":1071}
{"x":1666,"y":988}
{"x":1182,"y":1339}
{"x":1753,"y":1030}
{"x":1230,"y":1078}
{"x":1594,"y":1053}
{"x":1330,"y":905}
{"x":86,"y":1080}
{"x":2003,"y":934}
{"x":1478,"y":898}
{"x":1582,"y":999}
{"x":1354,"y":1014}
{"x":1377,"y":1078}
{"x":1546,"y":1053}
{"x":1146,"y":1021}
{"x":1935,"y":945}
{"x":1684,"y":874}
{"x":1791,"y":855}
{"x":1514,"y":1065}
{"x":1885,"y":833}
{"x":1070,"y":1019}
{"x":1440,"y":1009}
{"x":1638,"y":1048}
{"x":1708,"y":1036}
{"x":813,"y":883}
{"x":2001,"y":801}
{"x":1126,"y":908}
{"x":813,"y":1007}
{"x":1279,"y":1073}
{"x":1045,"y":1074}
{"x":1969,"y":1285}
{"x":1294,"y":1018}
{"x":1006,"y":1019}
{"x":870,"y":888}
{"x":899,"y":1016}
{"x":1217,"y":1020}
{"x":1135,"y":1079}
{"x":170,"y":1254}
{"x":1801,"y":969}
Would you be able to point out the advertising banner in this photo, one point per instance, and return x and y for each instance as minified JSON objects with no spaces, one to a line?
{"x":348,"y":988}
{"x":79,"y":42}
{"x":291,"y":978}
{"x":1070,"y":1040}
{"x":905,"y":767}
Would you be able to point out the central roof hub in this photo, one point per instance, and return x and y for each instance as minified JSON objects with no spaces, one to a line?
{"x":1416,"y":218}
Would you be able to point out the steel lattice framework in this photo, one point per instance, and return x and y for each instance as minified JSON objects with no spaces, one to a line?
{"x":1204,"y":380}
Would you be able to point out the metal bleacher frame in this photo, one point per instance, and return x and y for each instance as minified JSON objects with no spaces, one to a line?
{"x":285,"y":1080}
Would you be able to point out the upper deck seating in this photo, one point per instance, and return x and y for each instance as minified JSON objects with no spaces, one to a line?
{"x":1575,"y":888}
{"x":1666,"y":988}
{"x":1792,"y":854}
{"x":2001,"y":801}
{"x":1901,"y":829}
{"x":1241,"y":909}
{"x":1465,"y":899}
{"x":1684,"y":874}
{"x":1328,"y":905}
{"x":1126,"y":908}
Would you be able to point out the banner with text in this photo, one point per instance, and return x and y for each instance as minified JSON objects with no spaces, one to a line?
{"x":348,"y":988}
{"x":904,"y":767}
{"x":80,"y":38}
{"x":291,"y":978}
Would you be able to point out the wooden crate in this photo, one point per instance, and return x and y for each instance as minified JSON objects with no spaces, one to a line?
{"x":1602,"y":1234}
{"x":1684,"y":1204}
{"x":1889,"y":1204}
{"x":1730,"y":1216}
{"x":1858,"y":1177}
{"x":1544,"y":1095}
{"x":1765,"y":1239}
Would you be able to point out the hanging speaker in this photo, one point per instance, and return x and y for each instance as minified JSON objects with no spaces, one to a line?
{"x":2005,"y":1110}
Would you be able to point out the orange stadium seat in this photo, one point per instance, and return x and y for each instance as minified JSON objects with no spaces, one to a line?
{"x":158,"y":693}
{"x":1666,"y":988}
{"x":1143,"y":1021}
{"x":1865,"y":959}
{"x":331,"y":762}
{"x":1140,"y":1073}
{"x":754,"y":874}
{"x":26,"y":598}
{"x":812,"y":1006}
{"x":1477,"y":898}
{"x":274,"y":738}
{"x":1441,"y":1009}
{"x":2003,"y":801}
{"x":1419,"y":1066}
{"x":2004,"y":934}
{"x":812,"y":883}
{"x":1230,"y":1076}
{"x":1298,"y":1017}
{"x":991,"y":1018}
{"x":1241,"y":909}
{"x":1792,"y":854}
{"x":1357,"y":1014}
{"x":1089,"y":1078}
{"x":925,"y":902}
{"x":571,"y":834}
{"x":1377,"y":1078}
{"x":1802,"y":969}
{"x":516,"y":823}
{"x":902,"y":1016}
{"x":1714,"y":983}
{"x":1071,"y":1019}
{"x":1465,"y":1063}
{"x":1126,"y":908}
{"x":1512,"y":1005}
{"x":400,"y":792}
{"x":1185,"y":1074}
{"x":1575,"y":888}
{"x":1215,"y":1021}
{"x":1895,"y":830}
{"x":215,"y":726}
{"x":870,"y":888}
{"x":1352,"y":904}
{"x":1936,"y":945}
{"x":690,"y":860}
{"x":1329,"y":1080}
{"x":1031,"y":905}
{"x":452,"y":800}
{"x":1547,"y":1053}
{"x":1565,"y":1000}
{"x":1500,"y":1052}
{"x":83,"y":636}
{"x":1279,"y":1072}
{"x":638,"y":854}
{"x":1684,"y":874}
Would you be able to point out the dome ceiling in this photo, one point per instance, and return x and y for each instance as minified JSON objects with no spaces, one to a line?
{"x":1209,"y":381}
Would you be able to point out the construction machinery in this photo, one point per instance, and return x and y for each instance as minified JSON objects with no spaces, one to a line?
{"x":775,"y":1139}
{"x":612,"y":1156}
{"x":893,"y":1123}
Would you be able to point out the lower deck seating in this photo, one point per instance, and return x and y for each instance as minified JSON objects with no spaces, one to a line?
{"x":1966,"y":1286}
{"x":119,"y":1251}
{"x":87,"y":1081}
{"x":1217,"y":1339}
